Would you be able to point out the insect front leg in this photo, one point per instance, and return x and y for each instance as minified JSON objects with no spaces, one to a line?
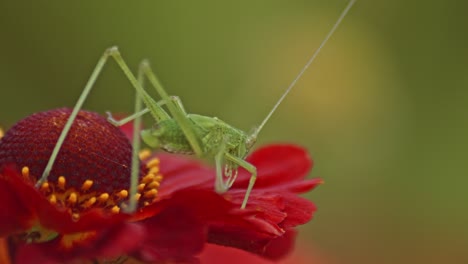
{"x":219,"y":181}
{"x":84,"y":94}
{"x":220,"y":185}
{"x":250,"y":168}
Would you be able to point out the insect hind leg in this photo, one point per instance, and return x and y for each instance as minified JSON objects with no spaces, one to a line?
{"x":177,"y":111}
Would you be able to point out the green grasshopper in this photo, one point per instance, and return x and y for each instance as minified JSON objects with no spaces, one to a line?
{"x":178,"y":131}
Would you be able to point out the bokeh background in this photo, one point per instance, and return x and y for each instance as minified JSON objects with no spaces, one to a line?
{"x":383,"y":110}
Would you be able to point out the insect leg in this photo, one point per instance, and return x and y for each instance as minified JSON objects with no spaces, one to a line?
{"x":156,"y":110}
{"x":84,"y":94}
{"x":219,"y":183}
{"x":136,"y":145}
{"x":127,"y":119}
{"x":177,"y":113}
{"x":250,"y":168}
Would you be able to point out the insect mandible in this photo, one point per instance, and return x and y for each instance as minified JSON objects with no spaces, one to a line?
{"x":178,"y":131}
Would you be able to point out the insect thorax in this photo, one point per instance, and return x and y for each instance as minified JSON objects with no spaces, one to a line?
{"x":213,"y":135}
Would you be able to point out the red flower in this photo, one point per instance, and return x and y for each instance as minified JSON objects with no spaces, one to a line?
{"x":214,"y":254}
{"x":76,"y":214}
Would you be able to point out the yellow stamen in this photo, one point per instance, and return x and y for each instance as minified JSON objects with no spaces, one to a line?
{"x":61,"y":182}
{"x":45,"y":186}
{"x":90,"y":202}
{"x":1,"y":132}
{"x":153,"y":163}
{"x":75,"y":216}
{"x":151,"y":193}
{"x":115,"y":209}
{"x":53,"y":199}
{"x":144,"y":154}
{"x":137,"y":196}
{"x":25,"y":172}
{"x":72,"y":198}
{"x":103,"y":197}
{"x":141,"y":187}
{"x":153,"y":185}
{"x":159,"y":178}
{"x":86,"y":185}
{"x":154,"y":170}
{"x":122,"y":194}
{"x":148,"y":178}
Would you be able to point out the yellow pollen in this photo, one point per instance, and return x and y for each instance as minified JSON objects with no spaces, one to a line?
{"x":1,"y":133}
{"x":90,"y":202}
{"x":75,"y":216}
{"x":158,"y":178}
{"x":153,"y":185}
{"x":45,"y":186}
{"x":72,"y":198}
{"x":53,"y":199}
{"x":122,"y":194}
{"x":146,"y":203}
{"x":137,"y":196}
{"x":103,"y":197}
{"x":153,"y":163}
{"x":25,"y":172}
{"x":154,"y":170}
{"x":86,"y":185}
{"x":115,"y":209}
{"x":141,"y":187}
{"x":144,"y":154}
{"x":61,"y":182}
{"x":148,"y":178}
{"x":151,"y":193}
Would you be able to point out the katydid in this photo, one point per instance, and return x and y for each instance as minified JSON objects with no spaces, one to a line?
{"x":177,"y":131}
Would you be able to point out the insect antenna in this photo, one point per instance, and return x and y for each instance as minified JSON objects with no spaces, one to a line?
{"x":309,"y":62}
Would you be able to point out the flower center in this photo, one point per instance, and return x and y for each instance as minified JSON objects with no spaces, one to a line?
{"x":78,"y":200}
{"x":92,"y":169}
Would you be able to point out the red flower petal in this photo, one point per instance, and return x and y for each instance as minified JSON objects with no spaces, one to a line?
{"x":276,"y":165}
{"x":183,"y":173}
{"x":16,"y":212}
{"x":304,"y":254}
{"x":106,"y":244}
{"x":22,"y":204}
{"x":174,"y":235}
{"x":273,"y":208}
{"x":178,"y":231}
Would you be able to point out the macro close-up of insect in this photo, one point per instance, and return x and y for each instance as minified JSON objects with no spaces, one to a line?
{"x":233,"y":132}
{"x":180,"y":132}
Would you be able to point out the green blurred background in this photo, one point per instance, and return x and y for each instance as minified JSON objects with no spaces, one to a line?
{"x":383,"y":110}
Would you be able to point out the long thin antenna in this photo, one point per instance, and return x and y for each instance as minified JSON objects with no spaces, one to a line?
{"x":309,"y":62}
